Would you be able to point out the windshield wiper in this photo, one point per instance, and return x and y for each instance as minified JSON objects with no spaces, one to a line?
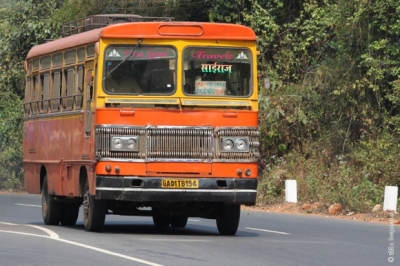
{"x":123,"y":61}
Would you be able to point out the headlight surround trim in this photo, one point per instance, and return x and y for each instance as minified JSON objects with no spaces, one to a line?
{"x":126,"y":143}
{"x":240,"y":144}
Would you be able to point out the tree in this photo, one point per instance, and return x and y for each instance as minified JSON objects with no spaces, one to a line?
{"x":21,"y":26}
{"x":182,"y":10}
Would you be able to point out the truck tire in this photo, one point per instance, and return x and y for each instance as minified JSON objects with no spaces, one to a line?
{"x":51,"y":209}
{"x":94,"y":212}
{"x":228,"y":219}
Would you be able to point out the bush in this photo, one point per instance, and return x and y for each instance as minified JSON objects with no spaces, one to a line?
{"x":11,"y":164}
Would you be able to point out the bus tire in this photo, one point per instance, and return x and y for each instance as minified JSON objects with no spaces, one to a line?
{"x":51,"y":209}
{"x":70,"y":214}
{"x":160,"y":218}
{"x":228,"y":219}
{"x":179,"y":221}
{"x":94,"y":212}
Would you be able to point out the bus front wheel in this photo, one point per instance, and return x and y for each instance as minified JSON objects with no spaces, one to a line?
{"x":94,"y":212}
{"x":51,"y":209}
{"x":228,"y":219}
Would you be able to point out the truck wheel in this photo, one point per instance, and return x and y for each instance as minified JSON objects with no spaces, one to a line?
{"x":228,"y":219}
{"x":160,"y":218}
{"x":70,"y":213}
{"x":51,"y":209}
{"x":179,"y":221}
{"x":94,"y":212}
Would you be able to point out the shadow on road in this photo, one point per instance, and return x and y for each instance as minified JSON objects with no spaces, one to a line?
{"x":143,"y":228}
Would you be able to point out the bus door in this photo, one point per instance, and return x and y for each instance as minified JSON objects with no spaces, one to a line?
{"x":87,"y":126}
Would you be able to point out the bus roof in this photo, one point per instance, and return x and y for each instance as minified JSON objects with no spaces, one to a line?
{"x":149,"y":30}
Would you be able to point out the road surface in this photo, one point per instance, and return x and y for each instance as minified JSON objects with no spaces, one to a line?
{"x":262,"y":239}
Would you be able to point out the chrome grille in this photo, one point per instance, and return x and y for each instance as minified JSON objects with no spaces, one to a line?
{"x":180,"y":143}
{"x":103,"y":142}
{"x":159,"y":143}
{"x":176,"y":143}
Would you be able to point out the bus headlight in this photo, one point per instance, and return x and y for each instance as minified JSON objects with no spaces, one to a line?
{"x":117,"y":143}
{"x":125,"y":143}
{"x":234,"y":144}
{"x":228,"y":145}
{"x":241,"y":144}
{"x":131,"y":144}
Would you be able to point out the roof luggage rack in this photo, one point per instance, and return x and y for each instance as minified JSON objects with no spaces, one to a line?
{"x":100,"y":21}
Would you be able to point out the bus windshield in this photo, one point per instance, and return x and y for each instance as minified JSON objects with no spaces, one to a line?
{"x":147,"y":70}
{"x":217,"y":72}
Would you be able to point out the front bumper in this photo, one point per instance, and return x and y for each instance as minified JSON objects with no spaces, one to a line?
{"x":229,"y":190}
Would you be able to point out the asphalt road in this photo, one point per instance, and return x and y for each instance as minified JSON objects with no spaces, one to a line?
{"x":262,"y":239}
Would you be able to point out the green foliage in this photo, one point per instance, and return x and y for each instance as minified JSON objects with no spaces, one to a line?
{"x":5,"y":3}
{"x":22,"y":25}
{"x":271,"y":185}
{"x":183,"y":10}
{"x":11,"y":167}
{"x":321,"y":179}
{"x":334,"y":96}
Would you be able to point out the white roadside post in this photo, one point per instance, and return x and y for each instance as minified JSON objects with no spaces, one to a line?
{"x":291,"y":191}
{"x":390,"y":201}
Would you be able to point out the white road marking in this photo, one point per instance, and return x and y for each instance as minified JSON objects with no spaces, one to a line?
{"x":193,"y":220}
{"x":27,"y":205}
{"x":7,"y":223}
{"x":172,"y":240}
{"x":269,"y":231}
{"x":21,"y":233}
{"x":109,"y":252}
{"x":54,"y":236}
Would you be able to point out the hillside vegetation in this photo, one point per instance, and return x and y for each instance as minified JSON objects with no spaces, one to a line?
{"x":330,"y":118}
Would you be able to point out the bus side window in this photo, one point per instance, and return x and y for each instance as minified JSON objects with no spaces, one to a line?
{"x":88,"y":98}
{"x":45,"y":91}
{"x":55,"y":103}
{"x":35,"y":94}
{"x":89,"y":85}
{"x":70,"y":84}
{"x":79,"y":88}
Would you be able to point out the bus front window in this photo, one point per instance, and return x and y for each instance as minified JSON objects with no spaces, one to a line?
{"x":217,"y":72}
{"x":144,"y":70}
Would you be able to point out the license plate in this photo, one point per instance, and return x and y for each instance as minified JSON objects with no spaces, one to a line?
{"x":179,"y":183}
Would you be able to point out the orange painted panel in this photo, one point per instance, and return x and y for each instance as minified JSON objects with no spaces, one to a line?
{"x":212,"y":170}
{"x":178,"y":168}
{"x":222,"y":169}
{"x":31,"y":180}
{"x":144,"y":117}
{"x":211,"y":31}
{"x":56,"y":144}
{"x":170,"y":30}
{"x":180,"y":30}
{"x":127,"y":168}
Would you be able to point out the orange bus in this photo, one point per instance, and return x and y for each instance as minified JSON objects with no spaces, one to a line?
{"x":129,"y":115}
